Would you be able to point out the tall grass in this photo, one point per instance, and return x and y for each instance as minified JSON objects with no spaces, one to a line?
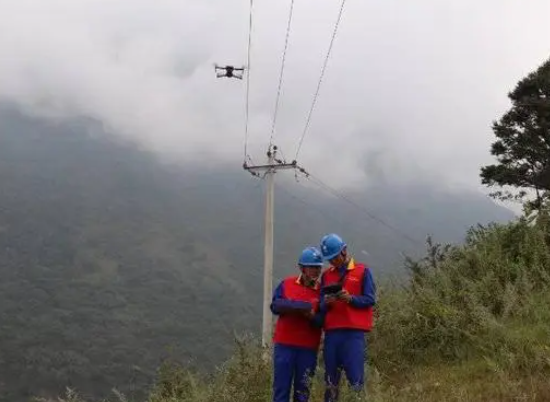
{"x":473,"y":323}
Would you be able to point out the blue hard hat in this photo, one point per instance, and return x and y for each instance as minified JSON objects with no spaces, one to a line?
{"x":311,"y":257}
{"x":331,"y":246}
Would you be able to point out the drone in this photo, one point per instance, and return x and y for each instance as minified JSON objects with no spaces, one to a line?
{"x":229,"y":71}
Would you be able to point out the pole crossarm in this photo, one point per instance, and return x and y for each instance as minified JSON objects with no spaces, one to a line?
{"x":274,"y":166}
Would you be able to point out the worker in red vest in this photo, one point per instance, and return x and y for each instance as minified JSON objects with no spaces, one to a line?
{"x":347,"y":315}
{"x":298,"y":329}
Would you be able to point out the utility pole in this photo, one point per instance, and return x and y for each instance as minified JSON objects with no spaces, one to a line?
{"x":273,"y":165}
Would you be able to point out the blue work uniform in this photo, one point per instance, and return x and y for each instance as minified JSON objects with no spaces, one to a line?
{"x":345,"y":348}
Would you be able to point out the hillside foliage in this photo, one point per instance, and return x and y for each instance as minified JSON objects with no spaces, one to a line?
{"x":472,"y":324}
{"x":113,"y":260}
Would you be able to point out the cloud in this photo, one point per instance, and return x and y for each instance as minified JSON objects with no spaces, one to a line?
{"x":410,"y":91}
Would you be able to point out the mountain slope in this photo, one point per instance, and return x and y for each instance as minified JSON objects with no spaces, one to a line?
{"x":112,"y":260}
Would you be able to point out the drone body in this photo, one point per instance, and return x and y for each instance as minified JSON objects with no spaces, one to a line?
{"x":229,"y":71}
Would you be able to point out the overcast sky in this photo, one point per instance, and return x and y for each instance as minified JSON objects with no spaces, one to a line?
{"x":411,"y":88}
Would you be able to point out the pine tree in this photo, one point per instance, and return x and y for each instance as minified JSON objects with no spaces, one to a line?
{"x":522,"y":147}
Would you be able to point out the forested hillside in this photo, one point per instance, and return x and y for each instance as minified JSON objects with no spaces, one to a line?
{"x":112,"y":260}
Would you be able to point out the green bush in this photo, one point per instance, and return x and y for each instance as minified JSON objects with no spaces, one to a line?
{"x":468,"y":301}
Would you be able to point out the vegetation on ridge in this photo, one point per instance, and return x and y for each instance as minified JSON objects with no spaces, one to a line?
{"x":473,"y":324}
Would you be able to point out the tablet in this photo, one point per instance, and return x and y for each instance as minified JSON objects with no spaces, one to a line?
{"x":332,"y":289}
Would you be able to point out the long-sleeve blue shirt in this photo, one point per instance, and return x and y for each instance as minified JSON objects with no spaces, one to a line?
{"x":365,"y":300}
{"x":279,"y":303}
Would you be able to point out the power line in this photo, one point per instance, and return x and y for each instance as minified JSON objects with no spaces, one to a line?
{"x":310,"y":207}
{"x":308,"y":204}
{"x":248,"y":80}
{"x":282,"y":71}
{"x":338,"y":194}
{"x":334,"y":33}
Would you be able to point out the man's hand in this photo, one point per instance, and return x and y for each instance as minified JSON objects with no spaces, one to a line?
{"x":308,"y":314}
{"x":344,"y":295}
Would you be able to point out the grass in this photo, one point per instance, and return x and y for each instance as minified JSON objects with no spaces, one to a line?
{"x":472,"y":324}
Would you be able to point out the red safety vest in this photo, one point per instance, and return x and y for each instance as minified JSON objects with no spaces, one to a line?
{"x":296,"y":330}
{"x":342,"y":314}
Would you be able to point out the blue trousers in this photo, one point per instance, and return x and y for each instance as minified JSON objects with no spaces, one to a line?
{"x":296,"y":365}
{"x":344,"y":349}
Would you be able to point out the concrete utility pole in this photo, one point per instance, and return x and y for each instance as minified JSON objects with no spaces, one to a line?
{"x":273,"y":164}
